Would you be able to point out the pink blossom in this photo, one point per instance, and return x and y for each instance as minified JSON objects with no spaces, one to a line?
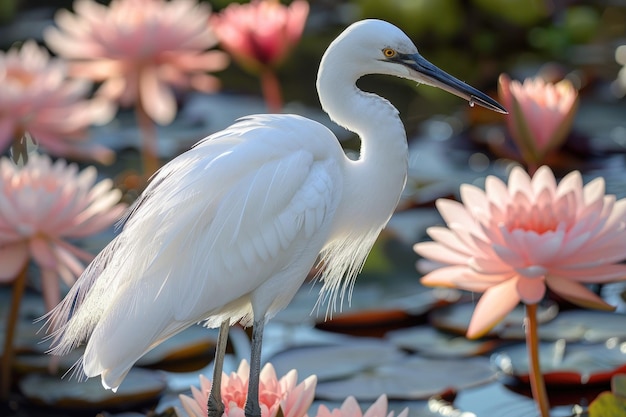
{"x":350,"y":408}
{"x":261,"y":33}
{"x":38,"y":98}
{"x":140,"y":49}
{"x":41,"y":205}
{"x":540,"y":114}
{"x":511,"y":242}
{"x":294,"y":400}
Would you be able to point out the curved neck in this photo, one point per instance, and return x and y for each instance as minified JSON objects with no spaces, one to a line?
{"x":380,"y":172}
{"x":374,"y":119}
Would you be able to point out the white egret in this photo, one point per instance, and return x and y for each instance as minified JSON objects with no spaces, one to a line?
{"x":227,"y":231}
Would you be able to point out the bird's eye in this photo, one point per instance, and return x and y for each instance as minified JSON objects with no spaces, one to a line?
{"x":389,"y":53}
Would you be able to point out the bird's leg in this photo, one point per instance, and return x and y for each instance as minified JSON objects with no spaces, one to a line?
{"x":215,"y":406}
{"x":253,"y":409}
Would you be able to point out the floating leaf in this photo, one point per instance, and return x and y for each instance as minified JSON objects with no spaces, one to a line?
{"x":411,"y":378}
{"x":336,"y":361}
{"x":584,"y":325}
{"x":434,"y":343}
{"x":140,"y":386}
{"x":608,"y":404}
{"x":565,"y":364}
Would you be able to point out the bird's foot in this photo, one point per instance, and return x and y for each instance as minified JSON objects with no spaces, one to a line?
{"x":252,"y":409}
{"x":215,"y":407}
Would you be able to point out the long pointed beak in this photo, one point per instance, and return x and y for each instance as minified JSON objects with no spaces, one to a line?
{"x":432,"y":75}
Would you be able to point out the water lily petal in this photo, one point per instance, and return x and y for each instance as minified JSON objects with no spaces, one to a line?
{"x":439,"y":253}
{"x":43,"y":253}
{"x":298,"y":400}
{"x":572,"y":182}
{"x":597,"y":274}
{"x":496,"y":191}
{"x":544,"y":180}
{"x":454,"y":212}
{"x":449,"y":239}
{"x":156,"y":97}
{"x":12,"y":258}
{"x":379,"y":408}
{"x":519,"y":182}
{"x":474,"y":198}
{"x":576,"y":293}
{"x":463,"y":278}
{"x":493,"y":306}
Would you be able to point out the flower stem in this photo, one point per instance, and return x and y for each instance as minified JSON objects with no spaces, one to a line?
{"x":149,"y":157}
{"x":537,"y":384}
{"x":271,"y":90}
{"x":6,"y":366}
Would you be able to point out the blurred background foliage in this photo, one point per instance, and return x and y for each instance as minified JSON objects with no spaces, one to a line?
{"x":475,"y":40}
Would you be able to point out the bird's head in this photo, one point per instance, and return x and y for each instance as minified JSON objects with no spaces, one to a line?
{"x":378,"y":47}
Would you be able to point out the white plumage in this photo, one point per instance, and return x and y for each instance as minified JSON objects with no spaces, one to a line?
{"x":229,"y":230}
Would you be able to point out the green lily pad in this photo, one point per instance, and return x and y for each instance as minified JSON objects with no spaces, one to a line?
{"x":189,"y":350}
{"x":140,"y":386}
{"x":336,"y":361}
{"x":565,"y":364}
{"x":411,"y":378}
{"x":437,"y":344}
{"x":608,"y":404}
{"x":584,"y":326}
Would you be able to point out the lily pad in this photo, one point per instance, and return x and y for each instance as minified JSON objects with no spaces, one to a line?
{"x":28,"y":334}
{"x":611,"y":403}
{"x":39,"y":362}
{"x":565,"y":364}
{"x":412,"y":378}
{"x":608,"y":404}
{"x":372,"y":323}
{"x":189,"y":350}
{"x":139,"y":387}
{"x":336,"y":361}
{"x":394,"y":310}
{"x":585,"y":326}
{"x":27,"y":337}
{"x":434,"y":343}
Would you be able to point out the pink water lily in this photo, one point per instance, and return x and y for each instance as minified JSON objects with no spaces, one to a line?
{"x":540,"y":114}
{"x":42,"y":204}
{"x":293,"y":399}
{"x":351,"y":408}
{"x":140,"y":50}
{"x":37,"y":98}
{"x":260,"y":35}
{"x":512,"y":242}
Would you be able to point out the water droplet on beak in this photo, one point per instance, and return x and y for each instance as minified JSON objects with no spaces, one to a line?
{"x":471,"y":103}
